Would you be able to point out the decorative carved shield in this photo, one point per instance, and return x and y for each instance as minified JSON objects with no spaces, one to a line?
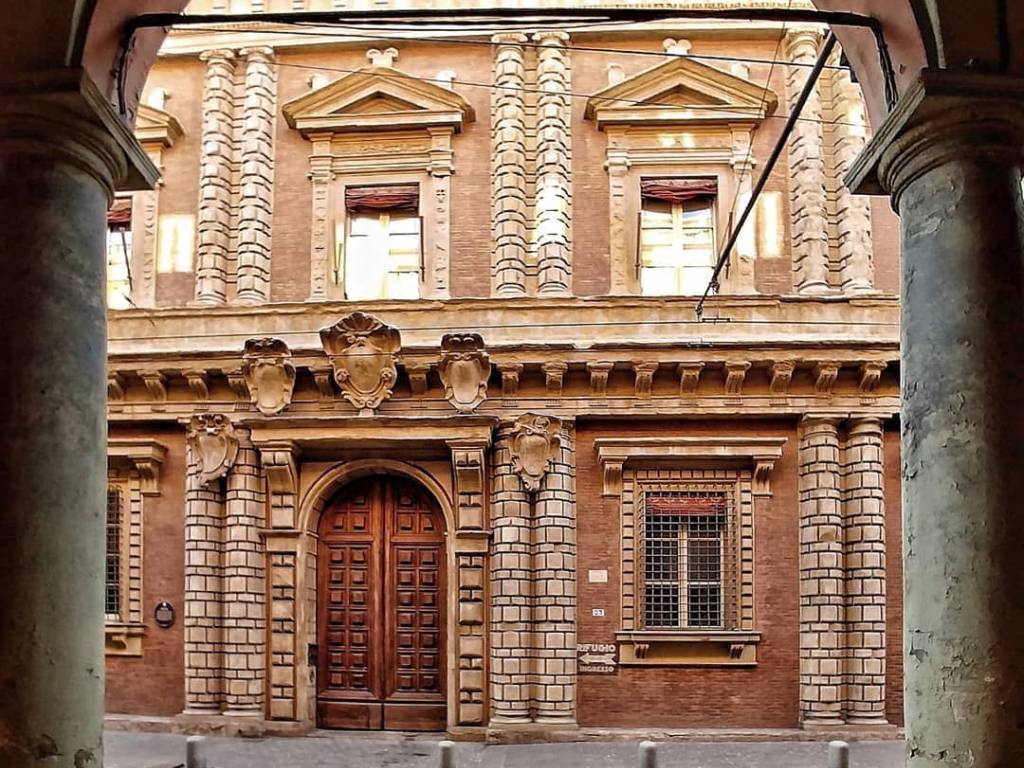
{"x":213,"y":443}
{"x":362,"y":352}
{"x":269,"y":373}
{"x":464,"y":369}
{"x":534,"y":444}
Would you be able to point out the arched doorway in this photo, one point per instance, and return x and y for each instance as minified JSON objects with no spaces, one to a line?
{"x":381,"y":608}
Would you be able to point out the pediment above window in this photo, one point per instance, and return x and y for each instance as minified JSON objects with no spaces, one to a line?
{"x":154,"y":125}
{"x":378,"y":98}
{"x":681,"y":91}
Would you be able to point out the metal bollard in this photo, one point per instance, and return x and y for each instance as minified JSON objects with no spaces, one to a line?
{"x":446,"y":750}
{"x":838,"y":754}
{"x":648,"y":754}
{"x":195,"y":752}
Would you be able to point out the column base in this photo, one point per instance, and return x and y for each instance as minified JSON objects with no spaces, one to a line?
{"x":532,"y":733}
{"x":867,"y":720}
{"x":820,"y":723}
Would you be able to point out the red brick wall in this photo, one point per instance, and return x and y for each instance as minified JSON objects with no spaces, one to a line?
{"x":765,"y":696}
{"x":894,"y":578}
{"x":155,"y":683}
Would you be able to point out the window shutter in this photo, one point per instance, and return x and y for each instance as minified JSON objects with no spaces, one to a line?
{"x":423,"y":259}
{"x":385,"y":197}
{"x":678,"y":190}
{"x":119,"y":216}
{"x":639,"y":242}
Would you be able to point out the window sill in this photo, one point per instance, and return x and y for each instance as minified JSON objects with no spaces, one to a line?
{"x":123,"y":639}
{"x":732,"y":648}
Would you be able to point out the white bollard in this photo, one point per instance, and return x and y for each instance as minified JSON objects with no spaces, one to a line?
{"x":195,"y":752}
{"x":446,"y":750}
{"x":838,"y":754}
{"x":648,"y":754}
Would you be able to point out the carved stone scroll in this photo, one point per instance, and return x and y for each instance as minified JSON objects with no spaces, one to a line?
{"x":269,"y":373}
{"x":362,"y":351}
{"x":464,"y":370}
{"x":535,"y":443}
{"x":214,"y":444}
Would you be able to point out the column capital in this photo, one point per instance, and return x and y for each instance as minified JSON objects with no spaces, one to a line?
{"x":802,"y":43}
{"x":865,"y":425}
{"x":218,"y":55}
{"x":260,"y":53}
{"x":509,"y":38}
{"x":551,"y":37}
{"x":61,"y":113}
{"x":944,"y":116}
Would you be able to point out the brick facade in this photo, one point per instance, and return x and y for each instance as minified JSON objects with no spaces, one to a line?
{"x":564,"y":391}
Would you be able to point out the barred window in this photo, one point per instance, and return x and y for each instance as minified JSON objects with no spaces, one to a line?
{"x":689,"y":560}
{"x":115,"y":516}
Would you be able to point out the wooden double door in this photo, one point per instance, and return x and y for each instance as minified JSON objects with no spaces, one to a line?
{"x":381,"y":616}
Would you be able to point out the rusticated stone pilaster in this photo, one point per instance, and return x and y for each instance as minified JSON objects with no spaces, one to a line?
{"x":508,"y":201}
{"x":257,"y":175}
{"x":807,"y":172}
{"x":553,"y":189}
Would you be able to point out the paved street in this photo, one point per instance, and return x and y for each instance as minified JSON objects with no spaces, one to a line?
{"x":330,"y":750}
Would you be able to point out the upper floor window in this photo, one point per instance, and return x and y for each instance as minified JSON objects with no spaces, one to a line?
{"x":112,"y":592}
{"x":119,"y":249}
{"x":676,"y":243}
{"x":689,"y":560}
{"x":382,"y":256}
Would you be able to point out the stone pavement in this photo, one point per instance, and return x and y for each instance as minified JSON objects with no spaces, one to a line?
{"x":333,"y":750}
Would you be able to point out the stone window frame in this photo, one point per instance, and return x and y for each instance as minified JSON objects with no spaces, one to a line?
{"x":133,"y":468}
{"x":744,"y":466}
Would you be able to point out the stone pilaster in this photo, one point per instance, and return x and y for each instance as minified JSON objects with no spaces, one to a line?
{"x":442,"y":165}
{"x":244,"y":609}
{"x":256,"y":163}
{"x":508,"y":197}
{"x":821,"y":575}
{"x":553,"y":195}
{"x":742,"y":162}
{"x":864,"y":537}
{"x":809,"y":215}
{"x":553,"y":614}
{"x":853,"y":212}
{"x":213,"y":229}
{"x":204,"y":572}
{"x":511,"y":588}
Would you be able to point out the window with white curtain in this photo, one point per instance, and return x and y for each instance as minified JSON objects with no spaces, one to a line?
{"x":676,"y":253}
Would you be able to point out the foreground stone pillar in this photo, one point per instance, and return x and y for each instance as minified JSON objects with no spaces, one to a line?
{"x":510,"y":589}
{"x":62,"y":151}
{"x":950,"y":155}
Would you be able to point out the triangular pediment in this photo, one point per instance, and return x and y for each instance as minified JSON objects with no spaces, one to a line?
{"x":154,"y":125}
{"x":681,"y":91}
{"x":377,"y":98}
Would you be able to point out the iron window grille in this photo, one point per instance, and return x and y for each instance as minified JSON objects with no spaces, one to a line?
{"x":688,"y":560}
{"x":112,"y":592}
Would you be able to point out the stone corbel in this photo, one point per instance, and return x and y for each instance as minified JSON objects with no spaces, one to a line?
{"x":870,"y":375}
{"x":419,"y":375}
{"x":782,"y":374}
{"x":197,"y":382}
{"x":323,"y":377}
{"x":825,"y":374}
{"x":689,"y":378}
{"x":116,"y":386}
{"x":763,"y":467}
{"x":735,"y":375}
{"x":362,"y":351}
{"x":554,"y":375}
{"x":269,"y":374}
{"x":214,"y":444}
{"x":535,"y":443}
{"x":510,"y":373}
{"x":612,"y":477}
{"x":280,"y":463}
{"x":146,"y":456}
{"x":464,"y":369}
{"x":599,"y":372}
{"x":643,"y":372}
{"x":468,"y":465}
{"x":156,"y":383}
{"x":239,"y":386}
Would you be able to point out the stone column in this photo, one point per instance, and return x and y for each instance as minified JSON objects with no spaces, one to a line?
{"x":244,"y":584}
{"x":853,"y":212}
{"x":821,"y":575}
{"x":554,"y":598}
{"x":809,"y":215}
{"x":62,"y":151}
{"x":864,"y":539}
{"x":256,"y":180}
{"x":511,"y":588}
{"x":553,"y":194}
{"x":204,"y":571}
{"x":213,"y":228}
{"x":508,"y":197}
{"x":951,"y":154}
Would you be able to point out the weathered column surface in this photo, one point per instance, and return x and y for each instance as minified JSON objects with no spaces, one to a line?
{"x":62,"y":151}
{"x":950,"y":155}
{"x":510,"y":589}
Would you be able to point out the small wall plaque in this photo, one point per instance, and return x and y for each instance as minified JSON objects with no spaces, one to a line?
{"x":598,"y":576}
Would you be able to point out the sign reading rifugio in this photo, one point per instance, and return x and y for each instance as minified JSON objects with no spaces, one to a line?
{"x":597,"y":658}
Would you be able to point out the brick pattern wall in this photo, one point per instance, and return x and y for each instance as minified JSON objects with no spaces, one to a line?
{"x":244,"y":612}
